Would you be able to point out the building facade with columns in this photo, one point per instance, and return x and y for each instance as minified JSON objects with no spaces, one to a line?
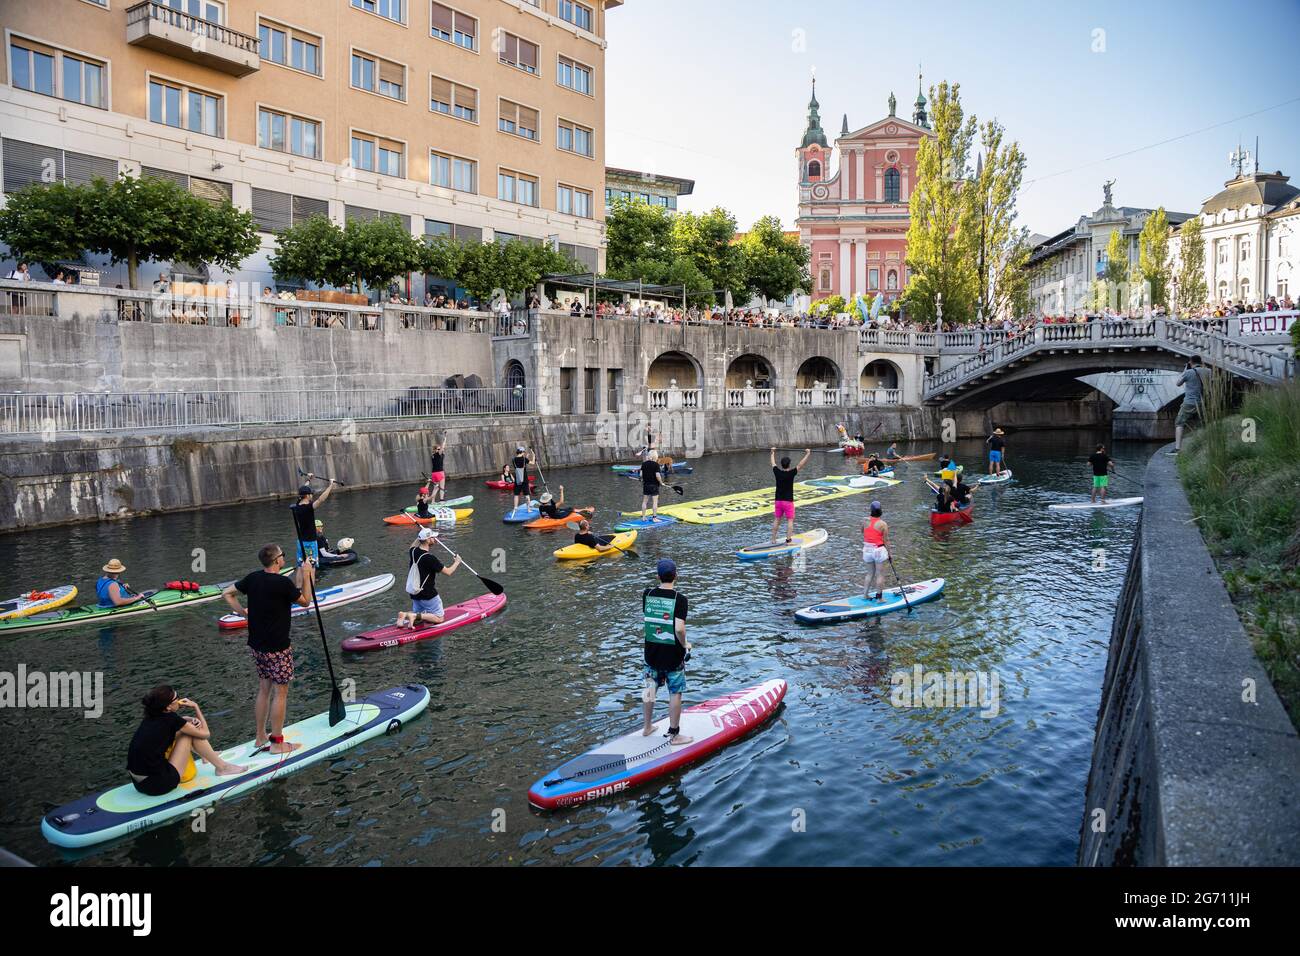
{"x":854,"y":220}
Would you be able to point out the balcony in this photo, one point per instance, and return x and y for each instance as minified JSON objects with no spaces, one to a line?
{"x":156,"y":26}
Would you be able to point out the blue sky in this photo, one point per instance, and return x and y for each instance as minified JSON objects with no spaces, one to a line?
{"x":717,"y":91}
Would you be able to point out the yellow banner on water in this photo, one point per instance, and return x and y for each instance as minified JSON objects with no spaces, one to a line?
{"x":747,"y":504}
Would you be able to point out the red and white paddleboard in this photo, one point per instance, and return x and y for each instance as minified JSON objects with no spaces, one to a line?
{"x":629,"y":761}
{"x":456,"y":616}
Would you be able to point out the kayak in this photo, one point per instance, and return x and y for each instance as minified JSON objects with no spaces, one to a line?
{"x":801,"y":541}
{"x":440,"y":515}
{"x":647,"y":523}
{"x":163,"y":600}
{"x":636,"y":475}
{"x":335,"y":596}
{"x":926,"y":457}
{"x":1000,"y":479}
{"x":575,"y":552}
{"x":509,"y":485}
{"x":847,"y":609}
{"x":550,"y":524}
{"x":633,"y":759}
{"x":34,"y":602}
{"x":124,"y":810}
{"x":677,"y":467}
{"x":450,"y":503}
{"x":336,"y":559}
{"x":522,"y":514}
{"x":854,"y":451}
{"x":964,"y":516}
{"x":1089,"y":505}
{"x":454,"y":617}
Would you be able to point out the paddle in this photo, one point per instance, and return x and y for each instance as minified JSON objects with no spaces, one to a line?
{"x":901,"y":590}
{"x":338,"y":712}
{"x":148,"y":600}
{"x":332,"y":481}
{"x":488,"y":583}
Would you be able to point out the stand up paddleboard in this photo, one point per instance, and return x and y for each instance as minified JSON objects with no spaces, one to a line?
{"x":645,"y":524}
{"x":857,"y":606}
{"x":801,"y":541}
{"x":1000,"y":479}
{"x":1092,"y":505}
{"x":456,"y":616}
{"x":633,"y":759}
{"x":36,"y":602}
{"x":528,"y":512}
{"x":439,"y":516}
{"x":450,"y":503}
{"x":330,"y":597}
{"x":125,"y":810}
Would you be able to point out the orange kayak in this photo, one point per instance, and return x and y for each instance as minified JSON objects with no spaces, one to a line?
{"x":443,"y":515}
{"x":550,"y":524}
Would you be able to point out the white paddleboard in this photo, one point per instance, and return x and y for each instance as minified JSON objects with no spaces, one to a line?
{"x":802,"y":540}
{"x":1092,"y":505}
{"x":330,"y":597}
{"x":1003,"y":478}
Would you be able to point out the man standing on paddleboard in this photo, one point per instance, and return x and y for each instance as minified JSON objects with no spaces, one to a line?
{"x":651,"y":482}
{"x":519,"y":472}
{"x":437,"y":473}
{"x":1102,"y":466}
{"x":997,"y":443}
{"x":271,"y":596}
{"x":304,"y":519}
{"x":783,"y":505}
{"x":875,"y":552}
{"x":666,"y":649}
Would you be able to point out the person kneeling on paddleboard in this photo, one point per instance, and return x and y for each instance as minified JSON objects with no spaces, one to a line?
{"x":161,"y":753}
{"x":584,"y":536}
{"x":422,"y":501}
{"x":875,"y":552}
{"x":422,"y":582}
{"x":783,"y":505}
{"x":304,"y":518}
{"x":111,"y":591}
{"x":666,"y":650}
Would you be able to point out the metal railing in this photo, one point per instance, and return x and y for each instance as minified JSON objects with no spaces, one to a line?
{"x":52,"y":414}
{"x":195,"y":26}
{"x":39,"y":303}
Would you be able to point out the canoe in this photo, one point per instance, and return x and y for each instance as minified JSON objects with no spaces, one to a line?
{"x":509,"y":485}
{"x":926,"y":457}
{"x":34,"y":602}
{"x":575,"y":552}
{"x":449,"y":503}
{"x":330,"y":597}
{"x":550,"y":524}
{"x":454,"y":617}
{"x":857,"y":606}
{"x":164,"y":600}
{"x":801,"y":541}
{"x":440,"y":516}
{"x":964,"y":516}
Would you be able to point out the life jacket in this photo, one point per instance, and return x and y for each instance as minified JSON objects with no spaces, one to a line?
{"x":101,"y":589}
{"x":872,"y":534}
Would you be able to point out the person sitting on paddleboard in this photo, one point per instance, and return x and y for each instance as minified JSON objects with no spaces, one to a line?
{"x":322,"y":542}
{"x":304,"y":519}
{"x":163,"y":744}
{"x":519,"y":473}
{"x":996,"y":445}
{"x":1102,"y":466}
{"x":112,"y":592}
{"x":663,"y":611}
{"x":651,"y":482}
{"x":271,"y":596}
{"x":422,"y":502}
{"x":584,"y":536}
{"x":437,"y":472}
{"x":783,"y":504}
{"x":426,"y":605}
{"x":550,"y":507}
{"x":874,"y":465}
{"x":875,"y":551}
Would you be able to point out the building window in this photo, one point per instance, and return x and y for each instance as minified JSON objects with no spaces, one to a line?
{"x":824,"y":284}
{"x":873,"y":279}
{"x":574,"y":75}
{"x":203,"y":9}
{"x":1281,"y":288}
{"x":576,"y":13}
{"x":453,"y":26}
{"x":574,"y":138}
{"x":1245,"y":250}
{"x":175,"y":105}
{"x":518,"y":53}
{"x":453,"y":172}
{"x":377,"y":155}
{"x":56,"y":73}
{"x":288,"y":134}
{"x":891,"y":280}
{"x":379,"y":76}
{"x":517,"y":120}
{"x":1223,"y":252}
{"x":289,"y":47}
{"x":814,"y":169}
{"x":388,"y":9}
{"x":1245,"y":290}
{"x":573,"y":202}
{"x":891,"y":185}
{"x":453,"y":99}
{"x":517,"y":187}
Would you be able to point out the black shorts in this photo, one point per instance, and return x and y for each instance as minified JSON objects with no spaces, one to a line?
{"x":521,"y":489}
{"x":164,"y":781}
{"x":650,"y":491}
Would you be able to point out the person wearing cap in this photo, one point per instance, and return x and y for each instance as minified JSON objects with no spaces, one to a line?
{"x":322,"y":542}
{"x":112,"y":592}
{"x":663,"y":611}
{"x":874,"y":465}
{"x":271,"y":596}
{"x":519,"y":473}
{"x":304,"y":519}
{"x":997,"y":444}
{"x":551,"y":507}
{"x":437,"y":472}
{"x":875,"y":552}
{"x":422,"y":575}
{"x":422,"y":502}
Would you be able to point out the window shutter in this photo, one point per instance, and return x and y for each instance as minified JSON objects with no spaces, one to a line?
{"x":180,"y":179}
{"x":441,"y":17}
{"x":80,"y":168}
{"x":211,"y":190}
{"x":467,"y":26}
{"x":25,"y":163}
{"x":510,"y":111}
{"x":440,"y":90}
{"x":528,"y":54}
{"x":510,"y":48}
{"x":272,"y":211}
{"x":467,"y":98}
{"x":528,"y":119}
{"x":392,"y":73}
{"x":304,"y":207}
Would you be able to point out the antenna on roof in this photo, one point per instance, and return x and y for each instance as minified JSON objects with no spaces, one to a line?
{"x":1256,"y":155}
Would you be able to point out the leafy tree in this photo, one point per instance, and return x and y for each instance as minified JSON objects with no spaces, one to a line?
{"x":374,"y":251}
{"x":941,"y":253}
{"x":991,"y":210}
{"x":831,"y":305}
{"x":1010,"y":291}
{"x":1192,"y":290}
{"x":1115,"y":272}
{"x":636,"y":233}
{"x":774,"y":264}
{"x":1153,"y":256}
{"x":310,"y":251}
{"x":512,"y":267}
{"x":43,"y":223}
{"x":708,"y":240}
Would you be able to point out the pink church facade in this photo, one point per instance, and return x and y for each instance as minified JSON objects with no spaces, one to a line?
{"x":854,"y":220}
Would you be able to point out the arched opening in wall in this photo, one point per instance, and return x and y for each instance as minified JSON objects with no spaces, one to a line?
{"x":818,"y":370}
{"x":673,"y":367}
{"x":814,"y":169}
{"x":751,"y":369}
{"x":1223,"y":291}
{"x":880,"y":374}
{"x":891,"y":280}
{"x":515,"y":379}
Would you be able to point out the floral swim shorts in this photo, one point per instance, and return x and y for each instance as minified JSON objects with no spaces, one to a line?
{"x":275,"y":666}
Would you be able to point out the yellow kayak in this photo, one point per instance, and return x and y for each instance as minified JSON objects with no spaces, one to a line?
{"x":574,"y":551}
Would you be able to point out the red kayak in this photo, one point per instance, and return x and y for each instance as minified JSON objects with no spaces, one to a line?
{"x":456,"y":616}
{"x":509,"y":485}
{"x":963,"y":516}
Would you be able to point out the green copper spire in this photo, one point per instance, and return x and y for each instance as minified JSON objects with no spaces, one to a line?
{"x":814,"y":132}
{"x":918,"y":115}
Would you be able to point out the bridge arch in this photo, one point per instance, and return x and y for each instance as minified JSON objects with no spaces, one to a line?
{"x":818,"y":368}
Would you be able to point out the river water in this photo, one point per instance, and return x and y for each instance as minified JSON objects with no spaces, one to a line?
{"x":840,"y":775}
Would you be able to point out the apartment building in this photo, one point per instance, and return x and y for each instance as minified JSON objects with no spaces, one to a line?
{"x":478,"y":119}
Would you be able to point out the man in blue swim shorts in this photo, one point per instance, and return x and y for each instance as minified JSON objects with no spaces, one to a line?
{"x":666,"y":650}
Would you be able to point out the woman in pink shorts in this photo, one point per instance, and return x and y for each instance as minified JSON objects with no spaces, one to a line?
{"x":783,"y":506}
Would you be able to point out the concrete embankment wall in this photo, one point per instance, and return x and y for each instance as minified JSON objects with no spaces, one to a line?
{"x":94,"y":477}
{"x":1195,"y":761}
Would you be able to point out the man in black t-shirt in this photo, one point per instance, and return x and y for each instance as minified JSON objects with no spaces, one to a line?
{"x":519,"y":472}
{"x":783,"y":505}
{"x":997,"y":448}
{"x":663,"y":612}
{"x":271,"y":596}
{"x":585,"y":536}
{"x":1102,"y":466}
{"x":650,"y":484}
{"x":304,"y":519}
{"x":426,"y":605}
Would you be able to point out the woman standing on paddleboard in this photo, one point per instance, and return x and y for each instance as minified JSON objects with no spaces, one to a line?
{"x":437,"y":472}
{"x":783,"y":505}
{"x":666,"y":649}
{"x":875,"y":552}
{"x":519,"y":472}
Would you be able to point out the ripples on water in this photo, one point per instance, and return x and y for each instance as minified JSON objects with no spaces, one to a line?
{"x":1030,"y":595}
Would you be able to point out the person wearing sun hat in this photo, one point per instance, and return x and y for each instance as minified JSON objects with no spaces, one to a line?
{"x":997,"y":445}
{"x":551,"y":507}
{"x":422,"y":582}
{"x":112,"y":592}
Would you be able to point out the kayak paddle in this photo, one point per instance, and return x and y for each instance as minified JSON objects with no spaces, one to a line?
{"x":338,"y":712}
{"x":488,"y":583}
{"x":148,"y":600}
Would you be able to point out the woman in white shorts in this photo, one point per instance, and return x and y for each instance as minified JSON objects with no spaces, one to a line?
{"x":875,"y":552}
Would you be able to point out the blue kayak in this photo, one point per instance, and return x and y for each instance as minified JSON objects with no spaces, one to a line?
{"x":645,"y":524}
